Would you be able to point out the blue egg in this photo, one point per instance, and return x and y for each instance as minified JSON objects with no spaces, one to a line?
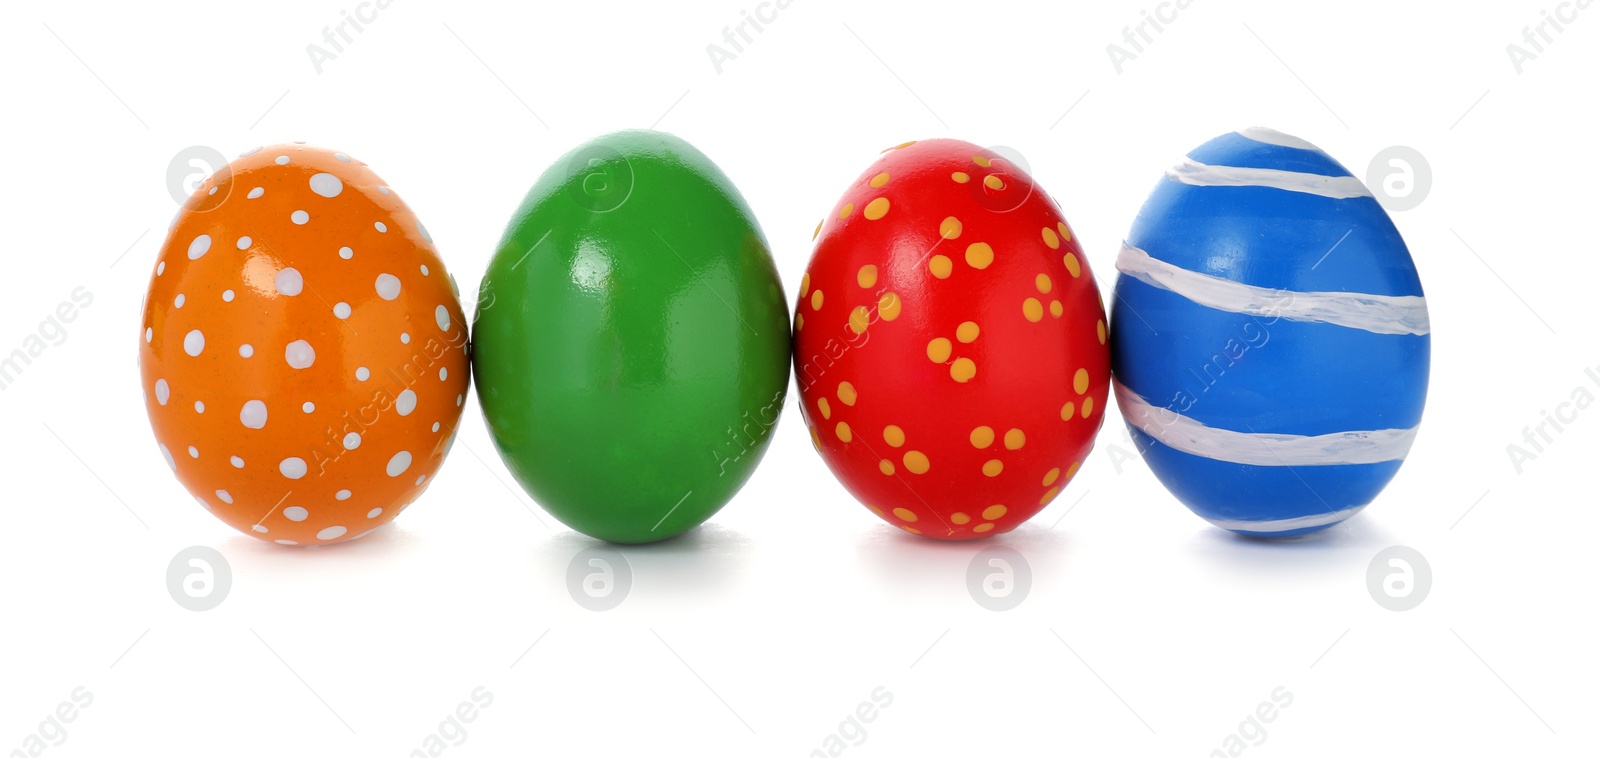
{"x":1269,"y":336}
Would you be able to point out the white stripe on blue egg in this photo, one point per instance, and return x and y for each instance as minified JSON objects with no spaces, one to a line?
{"x":1270,"y":337}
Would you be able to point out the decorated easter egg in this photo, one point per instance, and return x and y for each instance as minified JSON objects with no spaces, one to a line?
{"x":1269,"y":336}
{"x":950,"y":343}
{"x":631,"y":341}
{"x":302,"y":349}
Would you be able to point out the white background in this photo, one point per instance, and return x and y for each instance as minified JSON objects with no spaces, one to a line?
{"x":1145,"y":632}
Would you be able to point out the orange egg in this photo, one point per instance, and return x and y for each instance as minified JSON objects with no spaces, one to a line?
{"x":302,"y":350}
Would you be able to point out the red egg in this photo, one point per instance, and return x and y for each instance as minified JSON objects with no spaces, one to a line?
{"x":950,"y":343}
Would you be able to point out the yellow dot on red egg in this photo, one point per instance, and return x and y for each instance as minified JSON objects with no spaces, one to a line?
{"x":1056,"y":309}
{"x":1066,"y":234}
{"x":827,"y":410}
{"x":981,"y":437}
{"x":867,"y":276}
{"x":1050,"y":239}
{"x":904,"y":515}
{"x":940,"y":267}
{"x":960,"y":177}
{"x":846,"y":210}
{"x":1088,"y":407}
{"x":875,"y":509}
{"x":967,"y":331}
{"x":950,"y":228}
{"x":1073,"y":469}
{"x":799,"y":321}
{"x":1080,"y":381}
{"x":958,"y":518}
{"x":1048,"y":496}
{"x":816,"y":300}
{"x":1015,"y":439}
{"x":886,"y":467}
{"x":1050,"y":477}
{"x":894,"y":435}
{"x":1071,"y":262}
{"x":963,"y":369}
{"x":983,"y":527}
{"x":805,"y":284}
{"x":994,"y":512}
{"x":900,"y":146}
{"x":1100,"y":330}
{"x":889,"y":306}
{"x":1032,"y":309}
{"x":980,"y":255}
{"x":980,"y":160}
{"x":847,"y":393}
{"x":859,"y":318}
{"x":1067,"y":410}
{"x":939,"y":350}
{"x":879,"y":180}
{"x":843,"y":432}
{"x":1042,"y":283}
{"x":876,"y":208}
{"x":993,"y":182}
{"x":993,"y":467}
{"x":915,"y":462}
{"x":816,"y":441}
{"x":818,"y":230}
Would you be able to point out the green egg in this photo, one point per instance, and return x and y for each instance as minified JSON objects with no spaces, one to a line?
{"x":631,"y":343}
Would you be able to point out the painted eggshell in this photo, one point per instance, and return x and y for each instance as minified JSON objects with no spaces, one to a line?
{"x":950,"y":342}
{"x":631,"y":341}
{"x":1270,"y":336}
{"x":302,"y":349}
